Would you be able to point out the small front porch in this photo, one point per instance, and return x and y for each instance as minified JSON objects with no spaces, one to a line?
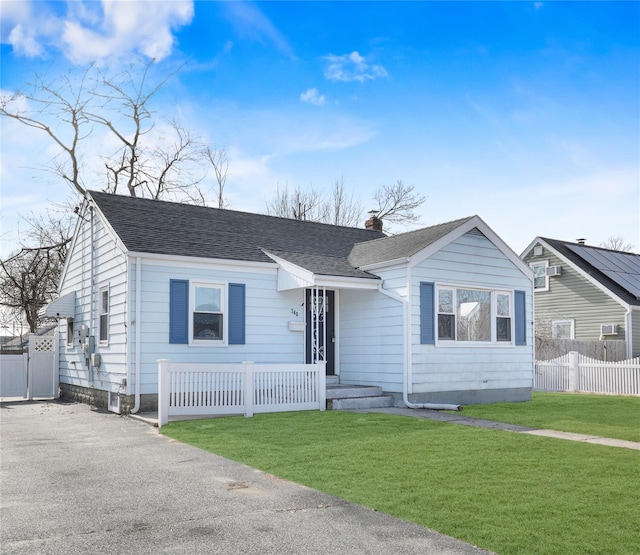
{"x":348,"y":397}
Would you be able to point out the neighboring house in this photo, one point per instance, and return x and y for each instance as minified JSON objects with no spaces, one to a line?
{"x":585,"y":293}
{"x":441,"y":314}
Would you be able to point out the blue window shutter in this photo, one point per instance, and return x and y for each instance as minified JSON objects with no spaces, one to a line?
{"x":236,"y":313}
{"x":179,"y":311}
{"x":427,"y":314}
{"x":520,"y":298}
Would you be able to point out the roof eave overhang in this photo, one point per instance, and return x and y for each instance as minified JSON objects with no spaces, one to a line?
{"x":291,"y":276}
{"x":63,"y":307}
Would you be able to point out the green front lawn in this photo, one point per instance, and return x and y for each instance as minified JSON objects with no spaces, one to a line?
{"x":598,"y":415}
{"x":506,"y":492}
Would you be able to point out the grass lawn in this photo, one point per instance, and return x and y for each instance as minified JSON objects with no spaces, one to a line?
{"x":599,"y":415}
{"x":506,"y":492}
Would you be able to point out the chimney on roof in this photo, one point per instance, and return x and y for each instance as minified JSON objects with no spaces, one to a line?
{"x":373,"y":223}
{"x":581,"y":241}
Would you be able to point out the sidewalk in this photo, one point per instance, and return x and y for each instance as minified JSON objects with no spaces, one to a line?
{"x":458,"y":418}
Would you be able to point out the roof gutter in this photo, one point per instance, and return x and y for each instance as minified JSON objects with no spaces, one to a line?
{"x":406,"y":359}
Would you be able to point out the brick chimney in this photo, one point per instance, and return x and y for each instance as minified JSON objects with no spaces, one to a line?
{"x":374,"y":223}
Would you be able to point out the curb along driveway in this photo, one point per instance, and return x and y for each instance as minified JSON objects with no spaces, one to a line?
{"x":74,"y":480}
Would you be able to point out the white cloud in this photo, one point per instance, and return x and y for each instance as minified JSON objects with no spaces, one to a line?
{"x":143,"y":27}
{"x":312,"y":97}
{"x":94,"y":31}
{"x":250,"y":23}
{"x":352,"y":67}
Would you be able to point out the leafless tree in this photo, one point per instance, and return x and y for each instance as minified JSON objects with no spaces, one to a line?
{"x":145,"y":161}
{"x":219,"y":161}
{"x":29,"y":278}
{"x":397,"y":203}
{"x":297,"y":204}
{"x":617,"y":243}
{"x":341,"y":208}
{"x":150,"y":157}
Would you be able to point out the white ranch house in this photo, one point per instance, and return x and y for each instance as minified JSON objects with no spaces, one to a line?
{"x":438,"y":315}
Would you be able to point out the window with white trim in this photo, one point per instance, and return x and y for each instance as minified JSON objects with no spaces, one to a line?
{"x":562,"y":329}
{"x":208,"y":323}
{"x":540,"y":277}
{"x":468,"y":315}
{"x":104,"y":314}
{"x":69,"y":332}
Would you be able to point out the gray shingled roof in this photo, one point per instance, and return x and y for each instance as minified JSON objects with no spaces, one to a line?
{"x":170,"y":228}
{"x":618,"y":271}
{"x":160,"y":227}
{"x":399,"y":246}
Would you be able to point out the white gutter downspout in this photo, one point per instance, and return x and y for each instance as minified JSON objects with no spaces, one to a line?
{"x":406,"y":359}
{"x":93,"y":319}
{"x":136,"y":406}
{"x":628,"y":321}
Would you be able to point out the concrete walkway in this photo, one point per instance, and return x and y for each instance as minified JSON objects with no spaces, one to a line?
{"x":74,"y":481}
{"x":459,"y":418}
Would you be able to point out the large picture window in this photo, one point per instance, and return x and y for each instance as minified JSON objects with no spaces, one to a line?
{"x":474,"y":315}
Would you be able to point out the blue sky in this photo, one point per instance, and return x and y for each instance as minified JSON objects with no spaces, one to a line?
{"x":525,"y":113}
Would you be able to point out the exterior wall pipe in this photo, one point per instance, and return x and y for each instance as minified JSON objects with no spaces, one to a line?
{"x":136,"y":406}
{"x":92,"y":286}
{"x":628,"y":321}
{"x":406,"y":362}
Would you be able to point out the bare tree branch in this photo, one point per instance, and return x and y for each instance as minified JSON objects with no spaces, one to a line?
{"x":397,"y":203}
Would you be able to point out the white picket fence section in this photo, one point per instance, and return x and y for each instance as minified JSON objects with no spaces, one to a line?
{"x":576,"y":372}
{"x":247,"y":388}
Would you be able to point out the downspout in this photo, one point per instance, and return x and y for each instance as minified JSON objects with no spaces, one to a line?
{"x":406,"y":358}
{"x":92,"y":286}
{"x":136,"y":406}
{"x":628,"y":320}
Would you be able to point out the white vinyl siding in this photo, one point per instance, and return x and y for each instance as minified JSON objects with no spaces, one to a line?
{"x":111,"y":270}
{"x":371,"y":340}
{"x":471,"y":262}
{"x":268,"y":312}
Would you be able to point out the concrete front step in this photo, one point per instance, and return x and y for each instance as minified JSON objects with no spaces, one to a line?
{"x":351,"y":403}
{"x":343,"y":391}
{"x":346,"y":397}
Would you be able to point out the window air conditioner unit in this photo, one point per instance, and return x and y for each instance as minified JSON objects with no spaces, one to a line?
{"x":608,"y":329}
{"x":554,"y":270}
{"x":114,"y":403}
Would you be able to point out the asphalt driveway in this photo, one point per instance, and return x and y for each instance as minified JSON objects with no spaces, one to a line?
{"x":75,"y":480}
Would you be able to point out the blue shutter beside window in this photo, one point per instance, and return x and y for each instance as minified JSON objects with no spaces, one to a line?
{"x":236,"y":314}
{"x":520,"y":298}
{"x":179,"y":311}
{"x":427,"y":314}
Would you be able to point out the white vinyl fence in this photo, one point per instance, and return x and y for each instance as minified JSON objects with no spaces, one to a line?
{"x":34,"y":375}
{"x":576,"y":372}
{"x":247,"y":388}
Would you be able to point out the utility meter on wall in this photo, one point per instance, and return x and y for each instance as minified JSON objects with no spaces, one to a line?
{"x":83,"y":333}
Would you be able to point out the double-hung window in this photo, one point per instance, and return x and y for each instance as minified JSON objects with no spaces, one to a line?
{"x":207,"y":325}
{"x":474,"y":315}
{"x":104,"y":314}
{"x":206,"y":314}
{"x":540,"y":278}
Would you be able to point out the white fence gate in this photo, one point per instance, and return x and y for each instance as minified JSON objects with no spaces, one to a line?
{"x":33,"y":375}
{"x":576,"y":372}
{"x":226,"y":389}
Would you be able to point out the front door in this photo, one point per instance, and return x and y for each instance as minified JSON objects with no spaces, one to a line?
{"x":321,"y":328}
